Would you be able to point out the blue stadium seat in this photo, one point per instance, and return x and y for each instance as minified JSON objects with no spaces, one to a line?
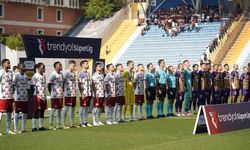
{"x":153,"y":46}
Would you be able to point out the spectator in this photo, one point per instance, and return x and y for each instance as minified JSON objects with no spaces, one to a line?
{"x":108,"y":50}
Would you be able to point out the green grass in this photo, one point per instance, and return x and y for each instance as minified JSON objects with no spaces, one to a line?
{"x":165,"y":133}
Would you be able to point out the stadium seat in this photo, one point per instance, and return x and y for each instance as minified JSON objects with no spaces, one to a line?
{"x":187,"y":45}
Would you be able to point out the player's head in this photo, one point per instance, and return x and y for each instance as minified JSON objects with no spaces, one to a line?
{"x":161,"y":63}
{"x":130,"y":65}
{"x":58,"y":66}
{"x":150,"y":67}
{"x":186,"y":63}
{"x":215,"y":67}
{"x":195,"y":67}
{"x":170,"y":69}
{"x":208,"y":66}
{"x":98,"y":67}
{"x":21,"y":67}
{"x":236,"y":67}
{"x":245,"y":69}
{"x":15,"y":69}
{"x":119,"y":67}
{"x":110,"y":67}
{"x":84,"y":64}
{"x":203,"y":66}
{"x":40,"y":68}
{"x":6,"y":64}
{"x":180,"y":66}
{"x":226,"y":67}
{"x":140,"y":67}
{"x":72,"y":65}
{"x":219,"y":67}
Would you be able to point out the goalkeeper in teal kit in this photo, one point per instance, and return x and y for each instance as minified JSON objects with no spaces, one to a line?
{"x":188,"y":83}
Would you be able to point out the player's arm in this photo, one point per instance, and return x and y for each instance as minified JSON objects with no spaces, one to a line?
{"x":199,"y":79}
{"x":125,"y":76}
{"x":135,"y":81}
{"x":116,"y":82}
{"x":157,"y":79}
{"x":93,"y":85}
{"x":14,"y":82}
{"x":65,"y":76}
{"x":192,"y":80}
{"x":27,"y":83}
{"x":232,"y":80}
{"x":51,"y":79}
{"x":145,"y":81}
{"x":80,"y":83}
{"x":213,"y":78}
{"x":33,"y":83}
{"x":1,"y":75}
{"x":177,"y":80}
{"x":167,"y":82}
{"x":242,"y":77}
{"x":223,"y":78}
{"x":106,"y":85}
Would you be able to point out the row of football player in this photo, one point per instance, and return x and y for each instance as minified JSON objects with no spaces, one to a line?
{"x":115,"y":90}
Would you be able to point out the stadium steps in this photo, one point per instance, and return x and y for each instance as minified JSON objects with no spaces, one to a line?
{"x":238,"y":46}
{"x":117,"y":40}
{"x":244,"y":57}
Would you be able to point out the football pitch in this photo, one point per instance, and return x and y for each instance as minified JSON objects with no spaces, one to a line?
{"x":165,"y":133}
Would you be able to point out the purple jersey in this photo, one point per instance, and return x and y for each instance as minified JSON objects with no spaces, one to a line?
{"x":195,"y":80}
{"x":244,"y":78}
{"x":217,"y":80}
{"x":226,"y":80}
{"x":205,"y":81}
{"x":235,"y":80}
{"x":180,"y":80}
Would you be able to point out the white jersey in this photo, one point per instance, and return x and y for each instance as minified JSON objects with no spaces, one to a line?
{"x":139,"y":83}
{"x":119,"y":84}
{"x":39,"y":82}
{"x":6,"y":84}
{"x":56,"y":80}
{"x":85,"y":82}
{"x":98,"y":80}
{"x":109,"y":82}
{"x":21,"y":85}
{"x":69,"y":84}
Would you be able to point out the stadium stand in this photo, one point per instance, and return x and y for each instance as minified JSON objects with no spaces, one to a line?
{"x":239,"y":45}
{"x":153,"y":45}
{"x":116,"y":41}
{"x":244,"y":57}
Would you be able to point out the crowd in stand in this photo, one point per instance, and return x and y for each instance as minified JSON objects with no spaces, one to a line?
{"x":176,"y":20}
{"x":225,"y":25}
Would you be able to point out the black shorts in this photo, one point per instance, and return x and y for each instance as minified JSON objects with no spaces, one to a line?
{"x":162,"y":88}
{"x":150,"y":93}
{"x":171,"y":93}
